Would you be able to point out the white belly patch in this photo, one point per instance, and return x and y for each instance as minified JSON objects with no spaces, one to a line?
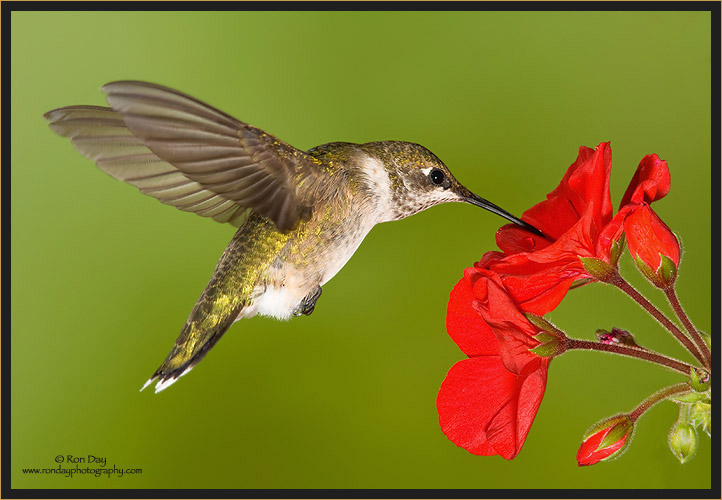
{"x":277,"y":302}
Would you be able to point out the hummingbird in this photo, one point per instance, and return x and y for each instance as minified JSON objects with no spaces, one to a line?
{"x":300,"y":215}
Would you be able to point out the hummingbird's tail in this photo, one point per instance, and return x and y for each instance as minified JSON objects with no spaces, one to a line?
{"x":191,"y":346}
{"x":215,"y":311}
{"x":230,"y":294}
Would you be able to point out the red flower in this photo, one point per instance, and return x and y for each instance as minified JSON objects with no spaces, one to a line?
{"x":487,"y":403}
{"x":573,"y":214}
{"x":606,"y":440}
{"x":648,"y":237}
{"x":538,"y":272}
{"x":577,"y":219}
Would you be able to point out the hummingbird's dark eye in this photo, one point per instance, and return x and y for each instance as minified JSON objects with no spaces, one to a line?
{"x":436,"y":176}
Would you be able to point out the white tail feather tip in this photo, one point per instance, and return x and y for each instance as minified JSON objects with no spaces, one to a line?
{"x":164,"y":384}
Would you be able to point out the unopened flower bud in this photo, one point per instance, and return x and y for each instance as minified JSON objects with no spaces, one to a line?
{"x":616,"y":336}
{"x":653,"y":246}
{"x":606,"y":440}
{"x":683,"y":441}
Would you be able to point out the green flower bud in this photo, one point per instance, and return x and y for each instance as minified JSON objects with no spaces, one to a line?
{"x":683,"y":441}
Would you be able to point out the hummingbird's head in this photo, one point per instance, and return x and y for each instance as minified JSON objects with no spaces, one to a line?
{"x":420,"y":180}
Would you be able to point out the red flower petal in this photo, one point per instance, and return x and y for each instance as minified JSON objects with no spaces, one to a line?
{"x":650,"y":182}
{"x":512,"y":239}
{"x":488,"y":259}
{"x":531,"y":393}
{"x":539,"y":281}
{"x":583,"y":189}
{"x":648,"y":237}
{"x":512,"y":329}
{"x":487,"y":410}
{"x":611,"y":233}
{"x":465,"y":326}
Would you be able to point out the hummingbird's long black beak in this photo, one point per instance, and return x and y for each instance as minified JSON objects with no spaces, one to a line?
{"x":469,"y":197}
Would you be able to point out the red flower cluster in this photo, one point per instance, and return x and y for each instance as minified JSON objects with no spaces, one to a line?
{"x":487,"y":403}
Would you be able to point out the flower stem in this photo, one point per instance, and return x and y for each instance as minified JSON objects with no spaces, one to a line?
{"x":696,"y":337}
{"x":657,"y":397}
{"x":624,"y":286}
{"x":632,"y":352}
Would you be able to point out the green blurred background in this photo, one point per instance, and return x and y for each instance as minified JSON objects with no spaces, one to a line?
{"x":103,"y":277}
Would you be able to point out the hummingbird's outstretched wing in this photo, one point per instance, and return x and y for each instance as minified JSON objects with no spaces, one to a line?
{"x":188,"y":154}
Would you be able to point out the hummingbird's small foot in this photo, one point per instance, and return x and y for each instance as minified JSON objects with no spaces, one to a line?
{"x":308,"y":303}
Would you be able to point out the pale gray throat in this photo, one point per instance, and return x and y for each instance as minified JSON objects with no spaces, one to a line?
{"x":379,"y":189}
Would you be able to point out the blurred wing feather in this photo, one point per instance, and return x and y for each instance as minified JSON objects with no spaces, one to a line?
{"x":100,"y":134}
{"x":187,"y":154}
